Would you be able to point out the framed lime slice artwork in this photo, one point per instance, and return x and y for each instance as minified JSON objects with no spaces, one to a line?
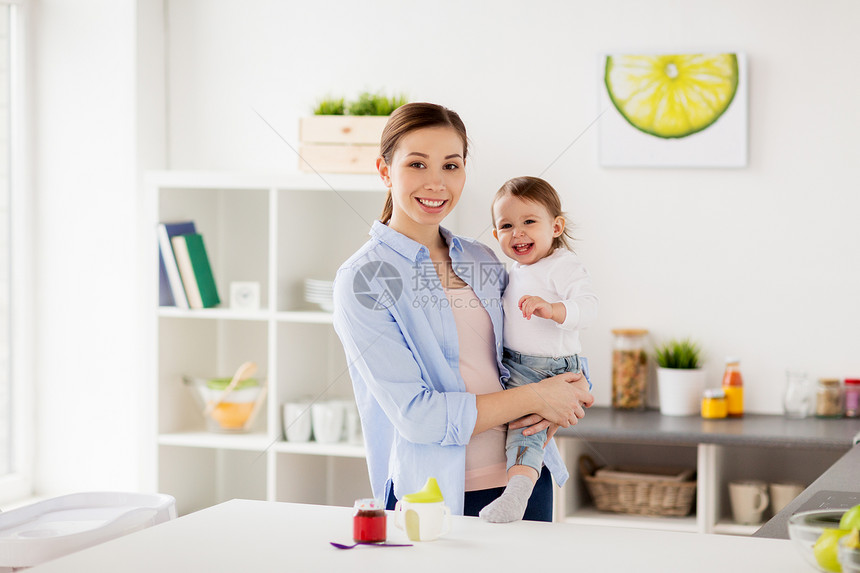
{"x":673,"y":110}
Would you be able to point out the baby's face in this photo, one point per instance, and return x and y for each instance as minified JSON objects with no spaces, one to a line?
{"x":525,"y":229}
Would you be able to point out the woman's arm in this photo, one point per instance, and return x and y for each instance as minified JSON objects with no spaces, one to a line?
{"x":397,"y":363}
{"x":560,"y":400}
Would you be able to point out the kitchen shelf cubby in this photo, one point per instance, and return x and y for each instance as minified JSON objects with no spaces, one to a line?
{"x":276,"y":230}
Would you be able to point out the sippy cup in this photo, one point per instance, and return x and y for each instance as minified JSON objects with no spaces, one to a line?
{"x":423,"y":515}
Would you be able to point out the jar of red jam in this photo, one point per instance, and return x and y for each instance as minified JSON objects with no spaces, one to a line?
{"x":368,"y":521}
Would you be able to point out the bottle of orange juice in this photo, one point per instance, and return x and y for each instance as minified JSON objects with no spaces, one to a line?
{"x":733,"y":386}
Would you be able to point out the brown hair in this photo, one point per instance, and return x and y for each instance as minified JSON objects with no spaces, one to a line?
{"x":538,"y":191}
{"x":408,"y":118}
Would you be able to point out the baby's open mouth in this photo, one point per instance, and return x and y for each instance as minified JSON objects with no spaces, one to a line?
{"x":523,"y":248}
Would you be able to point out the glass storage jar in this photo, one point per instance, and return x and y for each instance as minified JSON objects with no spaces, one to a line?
{"x":368,"y":521}
{"x":829,"y":398}
{"x":714,"y":404}
{"x":852,"y":397}
{"x":629,"y":368}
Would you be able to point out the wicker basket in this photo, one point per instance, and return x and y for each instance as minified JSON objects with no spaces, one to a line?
{"x":641,"y":491}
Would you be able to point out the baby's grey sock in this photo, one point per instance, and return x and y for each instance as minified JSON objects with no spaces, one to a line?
{"x":511,"y":505}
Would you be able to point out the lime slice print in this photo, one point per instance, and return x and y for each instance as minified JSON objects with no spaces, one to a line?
{"x":672,"y":96}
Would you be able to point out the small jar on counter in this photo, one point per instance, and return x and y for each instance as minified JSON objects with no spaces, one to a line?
{"x":629,"y":369}
{"x":368,"y":521}
{"x":852,"y":397}
{"x":714,"y":404}
{"x":829,"y":398}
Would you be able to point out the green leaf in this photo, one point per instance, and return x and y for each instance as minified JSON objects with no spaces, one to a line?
{"x":330,"y":106}
{"x":679,"y":353}
{"x":375,"y":104}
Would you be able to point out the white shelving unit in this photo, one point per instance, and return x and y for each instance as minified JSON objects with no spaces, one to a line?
{"x":277,"y":230}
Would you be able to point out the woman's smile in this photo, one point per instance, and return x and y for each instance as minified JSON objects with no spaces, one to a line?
{"x":431,"y":205}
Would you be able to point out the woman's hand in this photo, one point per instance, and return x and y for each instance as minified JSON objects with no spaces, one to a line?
{"x":559,"y":400}
{"x":532,"y":424}
{"x":562,"y":401}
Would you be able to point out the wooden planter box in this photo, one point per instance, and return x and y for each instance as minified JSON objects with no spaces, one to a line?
{"x":340,"y":143}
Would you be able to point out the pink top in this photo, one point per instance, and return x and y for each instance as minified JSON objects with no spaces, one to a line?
{"x":485,"y":453}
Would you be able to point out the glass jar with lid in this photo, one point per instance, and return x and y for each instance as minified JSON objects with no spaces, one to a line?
{"x":714,"y":404}
{"x":629,"y":368}
{"x":829,"y":398}
{"x":852,"y":397}
{"x":368,"y":521}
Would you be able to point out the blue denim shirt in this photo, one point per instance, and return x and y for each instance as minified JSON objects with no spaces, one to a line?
{"x":402,"y":351}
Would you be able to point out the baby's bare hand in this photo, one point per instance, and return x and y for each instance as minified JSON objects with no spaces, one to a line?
{"x":534,"y":305}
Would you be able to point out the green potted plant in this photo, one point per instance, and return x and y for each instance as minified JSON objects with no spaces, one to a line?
{"x":375,"y":104}
{"x":343,"y":136}
{"x":680,"y":377}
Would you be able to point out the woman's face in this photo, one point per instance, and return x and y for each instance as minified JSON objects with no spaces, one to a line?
{"x":426,"y":178}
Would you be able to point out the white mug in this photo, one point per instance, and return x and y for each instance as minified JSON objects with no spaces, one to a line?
{"x":352,"y":422}
{"x":297,"y":421}
{"x":422,"y":521}
{"x":781,"y":494}
{"x":749,"y":500}
{"x":327,"y":418}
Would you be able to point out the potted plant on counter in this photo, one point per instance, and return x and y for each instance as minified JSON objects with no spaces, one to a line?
{"x":343,"y":137}
{"x":680,"y":378}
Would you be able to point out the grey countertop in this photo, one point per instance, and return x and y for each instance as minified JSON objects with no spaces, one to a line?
{"x":649,"y":426}
{"x":837,"y":487}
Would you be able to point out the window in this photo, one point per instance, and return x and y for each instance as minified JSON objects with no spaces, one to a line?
{"x":15,"y":451}
{"x":5,"y":255}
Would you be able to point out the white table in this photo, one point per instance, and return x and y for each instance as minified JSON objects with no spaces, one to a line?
{"x":255,"y":536}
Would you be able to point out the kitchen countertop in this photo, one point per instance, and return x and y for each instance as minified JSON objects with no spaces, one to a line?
{"x":260,"y":537}
{"x":603,"y":423}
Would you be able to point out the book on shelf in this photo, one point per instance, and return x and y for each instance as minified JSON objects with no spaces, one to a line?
{"x":195,"y":270}
{"x":170,"y":289}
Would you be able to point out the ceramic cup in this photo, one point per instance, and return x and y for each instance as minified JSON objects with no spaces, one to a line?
{"x":327,"y":418}
{"x":749,"y":500}
{"x":781,"y":494}
{"x":422,"y":521}
{"x":297,"y":421}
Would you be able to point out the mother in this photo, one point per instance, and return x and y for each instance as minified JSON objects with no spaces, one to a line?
{"x":418,"y":310}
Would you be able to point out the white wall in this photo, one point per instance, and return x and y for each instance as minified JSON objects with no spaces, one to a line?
{"x":87,"y":154}
{"x":762,"y":262}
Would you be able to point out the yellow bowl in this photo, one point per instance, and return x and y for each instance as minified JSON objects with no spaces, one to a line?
{"x":235,"y":411}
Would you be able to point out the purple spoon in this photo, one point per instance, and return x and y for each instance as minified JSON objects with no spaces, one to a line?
{"x":342,"y":546}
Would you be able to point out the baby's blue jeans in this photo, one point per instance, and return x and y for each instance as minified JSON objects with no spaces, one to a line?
{"x":526,"y":369}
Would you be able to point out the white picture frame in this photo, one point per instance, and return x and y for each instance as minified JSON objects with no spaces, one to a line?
{"x":723,"y":144}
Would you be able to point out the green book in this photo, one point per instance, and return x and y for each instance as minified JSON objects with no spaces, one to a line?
{"x":195,"y":270}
